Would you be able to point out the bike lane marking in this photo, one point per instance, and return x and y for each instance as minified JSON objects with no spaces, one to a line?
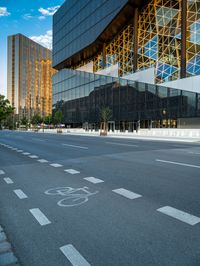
{"x":20,"y":194}
{"x":39,"y":216}
{"x":56,"y":165}
{"x":73,"y":255}
{"x":127,"y":193}
{"x":19,"y":150}
{"x":93,"y":180}
{"x":43,"y":161}
{"x":72,"y":171}
{"x":33,"y":156}
{"x":8,"y":180}
{"x":179,"y":215}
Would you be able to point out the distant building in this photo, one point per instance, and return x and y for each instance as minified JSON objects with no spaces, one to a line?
{"x":29,"y":72}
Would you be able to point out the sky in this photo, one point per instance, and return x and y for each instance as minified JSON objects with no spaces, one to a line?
{"x":32,"y":18}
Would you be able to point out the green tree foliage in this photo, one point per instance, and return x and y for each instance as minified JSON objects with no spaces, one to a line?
{"x":5,"y":109}
{"x":24,"y":121}
{"x":58,"y":116}
{"x":105,"y":115}
{"x":36,"y":119}
{"x":48,"y":119}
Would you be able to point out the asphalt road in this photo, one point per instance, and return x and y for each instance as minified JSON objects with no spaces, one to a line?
{"x":114,"y":201}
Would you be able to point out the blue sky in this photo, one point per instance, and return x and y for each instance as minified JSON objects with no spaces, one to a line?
{"x":32,"y":18}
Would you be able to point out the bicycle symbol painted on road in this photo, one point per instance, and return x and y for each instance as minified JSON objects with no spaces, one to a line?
{"x":72,"y":196}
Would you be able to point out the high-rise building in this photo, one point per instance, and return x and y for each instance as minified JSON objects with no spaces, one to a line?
{"x":140,"y":58}
{"x":29,"y":77}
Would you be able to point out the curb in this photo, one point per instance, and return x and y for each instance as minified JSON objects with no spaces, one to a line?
{"x":7,"y":257}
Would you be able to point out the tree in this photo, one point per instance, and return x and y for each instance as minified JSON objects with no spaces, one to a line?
{"x":5,"y":109}
{"x":105,"y":115}
{"x":58,"y":116}
{"x":24,"y":121}
{"x":36,"y":119}
{"x":48,"y":119}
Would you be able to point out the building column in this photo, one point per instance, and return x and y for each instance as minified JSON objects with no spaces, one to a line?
{"x":135,"y":36}
{"x":183,"y":37}
{"x":104,"y":55}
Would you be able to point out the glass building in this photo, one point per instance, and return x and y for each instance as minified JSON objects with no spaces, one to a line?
{"x":29,"y":77}
{"x":140,"y":58}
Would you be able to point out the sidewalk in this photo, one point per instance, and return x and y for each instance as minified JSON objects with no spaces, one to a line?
{"x":177,"y":135}
{"x":7,"y":258}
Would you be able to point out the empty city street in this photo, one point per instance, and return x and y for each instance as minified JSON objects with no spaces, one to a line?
{"x":80,"y":200}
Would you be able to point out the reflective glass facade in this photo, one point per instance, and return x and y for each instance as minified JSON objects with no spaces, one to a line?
{"x":81,"y":95}
{"x":29,"y":86}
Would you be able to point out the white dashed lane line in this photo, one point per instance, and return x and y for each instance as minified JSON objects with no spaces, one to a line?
{"x":43,"y":161}
{"x":19,"y":150}
{"x":39,"y":216}
{"x":178,"y":163}
{"x":20,"y":194}
{"x":93,"y":180}
{"x":33,"y":156}
{"x":72,"y":171}
{"x":122,"y":144}
{"x":72,"y":254}
{"x":26,"y":153}
{"x":2,"y":172}
{"x":75,"y":146}
{"x":179,"y":215}
{"x":56,"y":165}
{"x":8,"y":180}
{"x":127,"y":193}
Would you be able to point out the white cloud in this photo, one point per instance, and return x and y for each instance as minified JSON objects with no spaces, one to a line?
{"x":45,"y":40}
{"x":48,"y":11}
{"x":4,"y":12}
{"x":27,"y":16}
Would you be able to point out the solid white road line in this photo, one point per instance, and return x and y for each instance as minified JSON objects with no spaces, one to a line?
{"x":33,"y":156}
{"x":72,"y":254}
{"x":20,"y":194}
{"x":127,"y":193}
{"x":43,"y":161}
{"x":26,"y":153}
{"x":2,"y":172}
{"x":75,"y":146}
{"x":122,"y":144}
{"x":196,"y":153}
{"x":39,"y":216}
{"x":180,"y":215}
{"x":93,"y":180}
{"x":72,"y":171}
{"x":56,"y":165}
{"x":177,"y":163}
{"x":8,"y":180}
